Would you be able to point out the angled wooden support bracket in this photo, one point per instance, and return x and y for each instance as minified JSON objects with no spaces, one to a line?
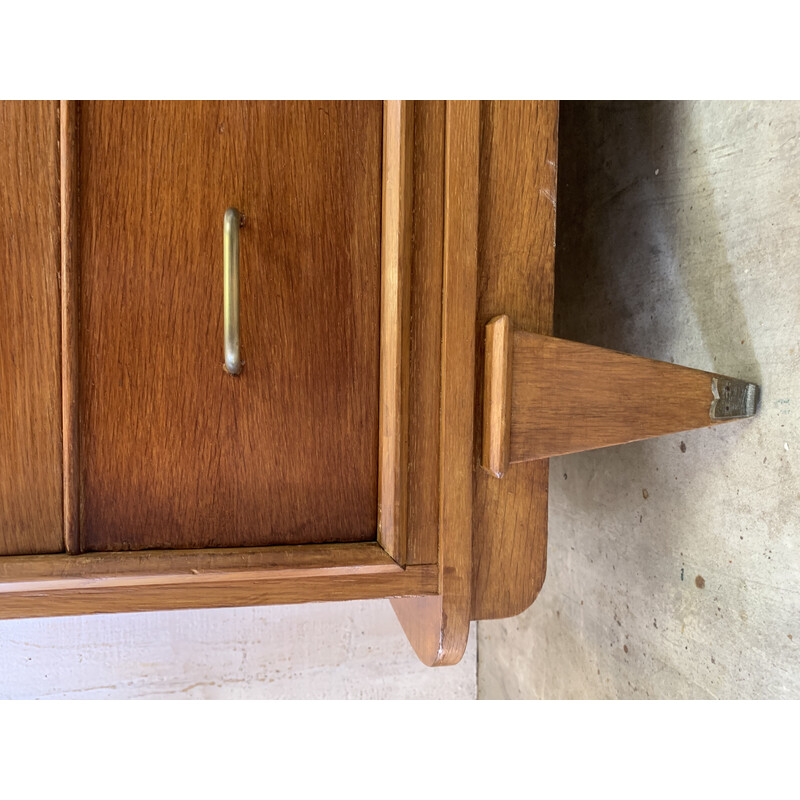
{"x":545,"y":397}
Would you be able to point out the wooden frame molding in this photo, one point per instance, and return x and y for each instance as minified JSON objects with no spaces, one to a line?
{"x":396,"y":247}
{"x":438,"y":627}
{"x":396,"y":255}
{"x":35,"y":586}
{"x":70,"y":324}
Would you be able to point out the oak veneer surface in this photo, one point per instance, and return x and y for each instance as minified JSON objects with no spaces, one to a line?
{"x":568,"y":397}
{"x":169,"y":567}
{"x":70,"y":322}
{"x":516,"y":246}
{"x":438,"y":627}
{"x":54,"y":585}
{"x":174,"y":452}
{"x":396,"y":246}
{"x":426,"y":333}
{"x":30,"y":393}
{"x":101,"y":599}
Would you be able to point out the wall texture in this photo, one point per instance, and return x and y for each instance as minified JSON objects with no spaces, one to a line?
{"x":673,"y":565}
{"x":353,"y":650}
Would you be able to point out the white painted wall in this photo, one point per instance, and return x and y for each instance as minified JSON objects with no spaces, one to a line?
{"x":353,"y":650}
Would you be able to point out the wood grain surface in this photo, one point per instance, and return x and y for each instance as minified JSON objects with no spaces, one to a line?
{"x":396,"y":245}
{"x":70,"y":320}
{"x":497,"y":396}
{"x":172,"y":567}
{"x":426,"y":333}
{"x":516,"y":245}
{"x":438,"y":627}
{"x":144,"y":581}
{"x":30,"y":393}
{"x":568,"y":397}
{"x":174,"y":452}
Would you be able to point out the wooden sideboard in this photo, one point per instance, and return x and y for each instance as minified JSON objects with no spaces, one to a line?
{"x":400,"y":392}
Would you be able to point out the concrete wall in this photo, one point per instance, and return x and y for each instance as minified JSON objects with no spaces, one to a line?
{"x":673,"y":565}
{"x":351,"y":650}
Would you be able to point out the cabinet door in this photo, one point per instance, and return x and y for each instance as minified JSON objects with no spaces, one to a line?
{"x":30,"y":393}
{"x":174,"y":451}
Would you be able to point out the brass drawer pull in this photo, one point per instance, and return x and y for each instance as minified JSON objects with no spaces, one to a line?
{"x":230,"y":263}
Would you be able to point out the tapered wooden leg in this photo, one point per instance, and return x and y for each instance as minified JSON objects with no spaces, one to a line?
{"x":545,"y":397}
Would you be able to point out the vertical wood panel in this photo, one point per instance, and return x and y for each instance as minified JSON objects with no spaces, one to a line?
{"x":397,"y":197}
{"x":438,"y":627}
{"x":516,"y":256}
{"x":426,"y":333}
{"x":149,"y":580}
{"x":174,"y":451}
{"x":30,"y":435}
{"x":70,"y":324}
{"x":458,"y":370}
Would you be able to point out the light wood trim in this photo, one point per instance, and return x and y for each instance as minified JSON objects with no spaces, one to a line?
{"x":438,"y":628}
{"x":417,"y":580}
{"x":497,"y":396}
{"x":70,"y":324}
{"x":32,"y":586}
{"x":398,"y":187}
{"x":167,"y":567}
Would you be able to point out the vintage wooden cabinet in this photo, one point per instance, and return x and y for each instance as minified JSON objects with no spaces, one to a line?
{"x":383,"y":272}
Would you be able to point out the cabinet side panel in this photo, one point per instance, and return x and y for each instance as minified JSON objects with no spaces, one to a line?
{"x":516,"y":245}
{"x":30,"y":394}
{"x":176,"y":453}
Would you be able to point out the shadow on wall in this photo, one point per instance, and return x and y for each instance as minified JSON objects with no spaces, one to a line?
{"x":634,"y":264}
{"x":642,"y":267}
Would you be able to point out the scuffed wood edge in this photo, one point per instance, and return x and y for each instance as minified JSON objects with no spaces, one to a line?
{"x":39,"y":585}
{"x":69,"y":180}
{"x":438,"y":627}
{"x":396,"y":244}
{"x":497,"y":396}
{"x":416,"y":580}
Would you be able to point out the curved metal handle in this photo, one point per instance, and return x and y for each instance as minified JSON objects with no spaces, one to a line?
{"x":230,"y":263}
